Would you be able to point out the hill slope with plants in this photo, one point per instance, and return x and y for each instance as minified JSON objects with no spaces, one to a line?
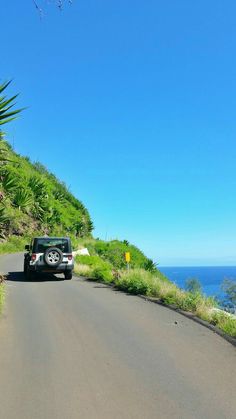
{"x":33,"y":200}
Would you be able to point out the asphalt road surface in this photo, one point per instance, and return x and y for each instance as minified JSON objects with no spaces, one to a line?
{"x":77,"y":350}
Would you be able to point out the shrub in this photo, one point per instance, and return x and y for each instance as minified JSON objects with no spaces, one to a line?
{"x":97,"y":268}
{"x":188,"y":301}
{"x":168,"y":293}
{"x":193,"y":285}
{"x":150,"y":266}
{"x":135,"y":281}
{"x":228,"y":325}
{"x":224,"y":321}
{"x":229,"y":288}
{"x":103,"y":273}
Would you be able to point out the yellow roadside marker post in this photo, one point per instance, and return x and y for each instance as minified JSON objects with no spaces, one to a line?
{"x":127,"y":259}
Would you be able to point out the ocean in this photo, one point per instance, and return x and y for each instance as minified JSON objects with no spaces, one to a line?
{"x":210,"y":277}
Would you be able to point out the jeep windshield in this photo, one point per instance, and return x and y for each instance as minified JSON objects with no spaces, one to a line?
{"x":42,"y":244}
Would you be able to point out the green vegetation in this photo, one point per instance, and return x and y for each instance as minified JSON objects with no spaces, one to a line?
{"x":13,"y":244}
{"x":229,"y":288}
{"x":33,"y":200}
{"x":7,"y":114}
{"x":97,"y":268}
{"x":113,"y":251}
{"x":225,"y":323}
{"x":107,"y":259}
{"x":193,"y":285}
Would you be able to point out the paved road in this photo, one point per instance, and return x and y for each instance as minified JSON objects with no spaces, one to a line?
{"x":78,"y":350}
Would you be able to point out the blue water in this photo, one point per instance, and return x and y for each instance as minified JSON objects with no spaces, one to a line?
{"x":210,"y":277}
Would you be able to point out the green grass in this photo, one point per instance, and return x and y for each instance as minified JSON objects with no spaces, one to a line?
{"x":228,"y":326}
{"x":113,"y":252}
{"x":13,"y":244}
{"x":97,"y":268}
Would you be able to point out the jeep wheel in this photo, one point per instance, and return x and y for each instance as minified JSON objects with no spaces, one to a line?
{"x":53,"y":256}
{"x":68,"y":275}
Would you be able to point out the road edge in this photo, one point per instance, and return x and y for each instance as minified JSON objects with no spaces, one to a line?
{"x":191,"y":316}
{"x":187,"y":314}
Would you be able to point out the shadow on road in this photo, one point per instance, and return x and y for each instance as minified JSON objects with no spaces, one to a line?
{"x":19,"y":277}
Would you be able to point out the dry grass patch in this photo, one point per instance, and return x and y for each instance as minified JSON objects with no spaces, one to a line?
{"x":83,"y":270}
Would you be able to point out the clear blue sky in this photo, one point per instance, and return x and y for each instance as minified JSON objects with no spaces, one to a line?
{"x":133,"y":104}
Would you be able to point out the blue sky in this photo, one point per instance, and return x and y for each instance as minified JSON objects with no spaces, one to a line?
{"x":133,"y":105}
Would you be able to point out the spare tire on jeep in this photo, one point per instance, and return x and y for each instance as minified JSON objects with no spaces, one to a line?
{"x":53,"y":256}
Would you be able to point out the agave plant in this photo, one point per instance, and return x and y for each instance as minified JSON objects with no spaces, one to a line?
{"x":40,"y":195}
{"x":23,"y":199}
{"x":82,"y":227}
{"x":4,"y":150}
{"x":150,"y":266}
{"x":59,"y":196}
{"x":54,"y":217}
{"x":38,"y":211}
{"x":7,"y":114}
{"x":38,"y":187}
{"x":6,"y":105}
{"x":3,"y":221}
{"x":9,"y":182}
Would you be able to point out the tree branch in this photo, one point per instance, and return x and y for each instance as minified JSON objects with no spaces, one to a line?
{"x":59,"y":4}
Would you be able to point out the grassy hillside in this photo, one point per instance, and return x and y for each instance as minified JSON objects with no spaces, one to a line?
{"x":107,"y":259}
{"x":113,"y":252}
{"x":33,"y":200}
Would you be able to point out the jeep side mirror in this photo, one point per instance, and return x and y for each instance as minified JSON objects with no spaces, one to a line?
{"x":27,"y":247}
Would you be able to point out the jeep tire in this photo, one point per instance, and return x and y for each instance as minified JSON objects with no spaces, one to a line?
{"x":68,"y":275}
{"x":53,"y":256}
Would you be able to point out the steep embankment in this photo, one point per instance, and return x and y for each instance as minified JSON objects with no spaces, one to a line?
{"x":34,"y":200}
